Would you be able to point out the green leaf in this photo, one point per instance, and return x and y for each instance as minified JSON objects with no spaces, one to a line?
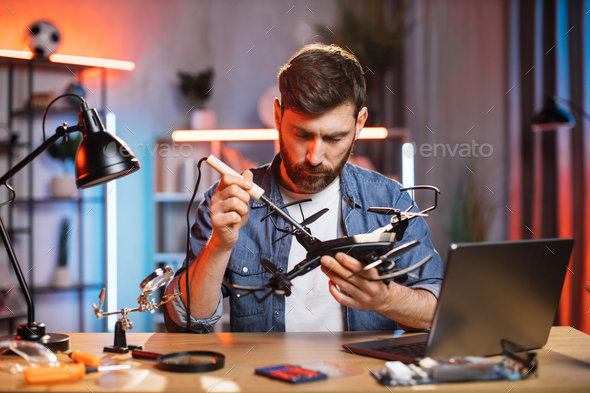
{"x":64,"y":151}
{"x":63,"y":242}
{"x":196,"y":86}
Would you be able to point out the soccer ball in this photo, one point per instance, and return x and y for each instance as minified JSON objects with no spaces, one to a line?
{"x":43,"y":38}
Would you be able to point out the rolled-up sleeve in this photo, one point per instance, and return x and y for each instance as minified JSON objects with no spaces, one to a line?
{"x":175,"y":313}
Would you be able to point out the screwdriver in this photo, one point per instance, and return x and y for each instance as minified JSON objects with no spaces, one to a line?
{"x":87,"y":358}
{"x":65,"y":372}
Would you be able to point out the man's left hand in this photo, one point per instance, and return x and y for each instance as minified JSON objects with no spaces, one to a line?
{"x":408,"y":306}
{"x":361,"y":293}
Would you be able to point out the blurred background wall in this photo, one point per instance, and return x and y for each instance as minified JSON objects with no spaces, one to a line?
{"x":449,"y":88}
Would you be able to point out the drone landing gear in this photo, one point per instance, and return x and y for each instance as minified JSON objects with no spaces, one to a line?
{"x":120,"y":344}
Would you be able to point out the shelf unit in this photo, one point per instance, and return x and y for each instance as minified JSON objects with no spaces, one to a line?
{"x":26,"y":205}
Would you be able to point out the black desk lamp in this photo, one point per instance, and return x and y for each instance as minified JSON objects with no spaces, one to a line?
{"x":552,"y":116}
{"x":101,"y":157}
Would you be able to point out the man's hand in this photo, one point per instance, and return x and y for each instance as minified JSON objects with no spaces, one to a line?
{"x":229,"y":208}
{"x":362,"y":294}
{"x":407,"y":306}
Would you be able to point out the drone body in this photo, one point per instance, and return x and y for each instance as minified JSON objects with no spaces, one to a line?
{"x":373,"y":250}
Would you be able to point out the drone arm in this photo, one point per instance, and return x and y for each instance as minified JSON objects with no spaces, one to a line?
{"x":436,"y":192}
{"x":303,"y":267}
{"x":285,"y":206}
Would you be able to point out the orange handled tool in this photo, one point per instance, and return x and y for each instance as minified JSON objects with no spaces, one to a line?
{"x":87,"y":358}
{"x":65,"y":372}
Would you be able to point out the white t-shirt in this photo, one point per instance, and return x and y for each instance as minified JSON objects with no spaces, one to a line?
{"x":311,"y":307}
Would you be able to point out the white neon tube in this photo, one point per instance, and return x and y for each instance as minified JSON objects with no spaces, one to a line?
{"x":111,"y":237}
{"x":408,"y":152}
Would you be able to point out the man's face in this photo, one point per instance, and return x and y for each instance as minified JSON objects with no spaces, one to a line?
{"x":314,"y":148}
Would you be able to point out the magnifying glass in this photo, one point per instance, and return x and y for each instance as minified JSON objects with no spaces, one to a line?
{"x":36,"y":355}
{"x":155,"y":280}
{"x":185,"y":362}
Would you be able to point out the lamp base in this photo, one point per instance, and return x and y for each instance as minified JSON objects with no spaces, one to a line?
{"x":36,"y":332}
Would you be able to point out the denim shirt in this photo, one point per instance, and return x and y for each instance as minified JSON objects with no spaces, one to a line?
{"x":361,"y":189}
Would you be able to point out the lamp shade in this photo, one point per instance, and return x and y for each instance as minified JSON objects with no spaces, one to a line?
{"x":101,"y":157}
{"x":552,"y":117}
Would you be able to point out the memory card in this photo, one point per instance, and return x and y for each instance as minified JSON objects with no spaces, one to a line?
{"x":290,"y":373}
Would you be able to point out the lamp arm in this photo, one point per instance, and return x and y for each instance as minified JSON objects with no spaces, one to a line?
{"x":59,"y":132}
{"x":18,"y":271}
{"x":576,"y":107}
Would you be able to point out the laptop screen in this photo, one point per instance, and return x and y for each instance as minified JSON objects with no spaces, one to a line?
{"x":494,"y":291}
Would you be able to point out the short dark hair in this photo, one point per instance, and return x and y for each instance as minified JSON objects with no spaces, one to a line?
{"x":321,"y":77}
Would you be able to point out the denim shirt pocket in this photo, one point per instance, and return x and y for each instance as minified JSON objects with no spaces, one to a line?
{"x":244,"y":268}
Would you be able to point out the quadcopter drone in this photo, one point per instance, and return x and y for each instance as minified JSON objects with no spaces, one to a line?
{"x":373,"y":250}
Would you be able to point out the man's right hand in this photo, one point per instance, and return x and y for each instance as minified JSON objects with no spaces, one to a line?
{"x":229,"y":208}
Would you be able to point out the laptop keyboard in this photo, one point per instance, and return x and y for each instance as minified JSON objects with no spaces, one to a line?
{"x":414,"y":350}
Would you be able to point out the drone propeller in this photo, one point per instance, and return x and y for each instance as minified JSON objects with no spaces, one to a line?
{"x":278,"y":283}
{"x":403,"y":271}
{"x":391,"y":254}
{"x":386,"y":211}
{"x":268,"y":266}
{"x":309,"y":220}
{"x":314,"y":217}
{"x":271,"y":212}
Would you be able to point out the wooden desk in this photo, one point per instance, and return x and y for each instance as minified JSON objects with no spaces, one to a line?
{"x":564,"y":364}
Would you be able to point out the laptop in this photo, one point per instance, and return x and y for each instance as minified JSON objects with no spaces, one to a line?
{"x":490,"y":292}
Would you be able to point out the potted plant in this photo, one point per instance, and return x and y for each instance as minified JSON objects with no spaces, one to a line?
{"x":61,"y":275}
{"x":64,"y":186}
{"x":197,"y":88}
{"x":471,"y":212}
{"x":375,"y":40}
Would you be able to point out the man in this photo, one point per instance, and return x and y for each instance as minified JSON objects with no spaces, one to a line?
{"x":319,"y":117}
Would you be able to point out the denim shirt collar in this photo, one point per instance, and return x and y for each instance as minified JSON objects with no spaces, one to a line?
{"x":350,"y":192}
{"x":270,"y":185}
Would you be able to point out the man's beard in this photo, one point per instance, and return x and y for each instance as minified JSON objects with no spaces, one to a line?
{"x":314,"y":183}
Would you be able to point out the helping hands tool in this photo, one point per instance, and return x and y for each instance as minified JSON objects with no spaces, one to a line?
{"x":157,"y":279}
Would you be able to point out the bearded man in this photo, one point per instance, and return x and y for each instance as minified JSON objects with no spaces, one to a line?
{"x":319,"y":116}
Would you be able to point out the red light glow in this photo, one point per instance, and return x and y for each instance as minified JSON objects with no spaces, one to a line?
{"x":77,"y":60}
{"x":93,"y":62}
